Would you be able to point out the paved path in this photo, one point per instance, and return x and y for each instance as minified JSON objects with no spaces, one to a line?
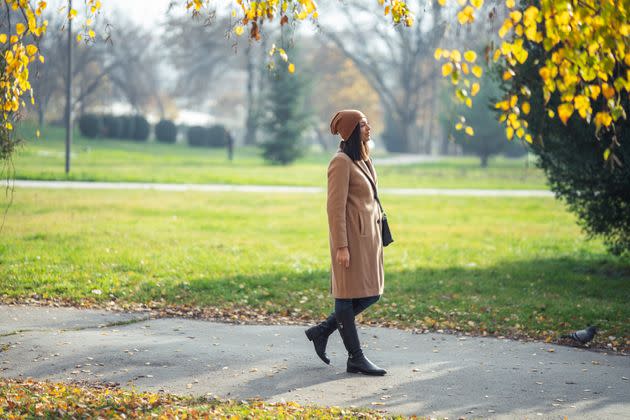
{"x":429,"y":374}
{"x":270,"y":188}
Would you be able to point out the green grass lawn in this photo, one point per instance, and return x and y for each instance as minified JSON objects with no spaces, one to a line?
{"x":115,"y":160}
{"x":484,"y":265}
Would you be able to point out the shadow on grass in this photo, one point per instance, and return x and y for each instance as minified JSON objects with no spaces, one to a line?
{"x":538,"y":297}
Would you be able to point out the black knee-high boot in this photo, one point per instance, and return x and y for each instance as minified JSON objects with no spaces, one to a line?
{"x":357,"y":362}
{"x":319,"y":336}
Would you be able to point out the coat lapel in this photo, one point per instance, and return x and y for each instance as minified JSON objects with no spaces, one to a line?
{"x":366,"y":170}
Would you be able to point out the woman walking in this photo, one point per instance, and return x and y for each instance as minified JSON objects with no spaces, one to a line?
{"x":356,"y":249}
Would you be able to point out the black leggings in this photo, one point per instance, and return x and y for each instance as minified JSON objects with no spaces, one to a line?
{"x":356,"y":305}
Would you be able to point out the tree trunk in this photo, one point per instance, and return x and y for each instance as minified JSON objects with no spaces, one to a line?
{"x":484,"y":161}
{"x":41,"y":111}
{"x":252,"y":111}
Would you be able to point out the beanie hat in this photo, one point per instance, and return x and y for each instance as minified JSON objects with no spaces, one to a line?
{"x":345,"y":121}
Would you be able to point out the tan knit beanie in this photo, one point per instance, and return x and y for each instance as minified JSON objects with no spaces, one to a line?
{"x":345,"y":121}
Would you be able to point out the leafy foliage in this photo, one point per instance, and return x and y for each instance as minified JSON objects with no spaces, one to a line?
{"x":599,"y":195}
{"x":585,"y":59}
{"x":166,"y":131}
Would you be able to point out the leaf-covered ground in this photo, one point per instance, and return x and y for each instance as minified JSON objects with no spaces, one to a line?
{"x":26,"y":399}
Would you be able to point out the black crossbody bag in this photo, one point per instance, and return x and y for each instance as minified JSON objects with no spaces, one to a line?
{"x":386,"y":234}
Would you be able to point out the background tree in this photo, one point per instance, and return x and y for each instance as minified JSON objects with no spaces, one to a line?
{"x":286,"y":118}
{"x":337,"y":84}
{"x":488,"y":139}
{"x":391,"y":59}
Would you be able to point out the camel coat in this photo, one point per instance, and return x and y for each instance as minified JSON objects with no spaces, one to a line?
{"x":354,"y":220}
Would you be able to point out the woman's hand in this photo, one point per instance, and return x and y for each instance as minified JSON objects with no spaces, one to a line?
{"x":343,"y":256}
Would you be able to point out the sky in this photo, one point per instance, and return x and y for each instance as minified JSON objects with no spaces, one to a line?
{"x":146,"y":12}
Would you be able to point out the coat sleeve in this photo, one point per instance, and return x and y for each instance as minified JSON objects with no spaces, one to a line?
{"x":338,"y":183}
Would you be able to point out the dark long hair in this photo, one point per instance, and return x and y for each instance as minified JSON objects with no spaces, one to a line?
{"x":353,"y":146}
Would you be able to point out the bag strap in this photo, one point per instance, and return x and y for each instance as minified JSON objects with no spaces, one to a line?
{"x":373,"y":187}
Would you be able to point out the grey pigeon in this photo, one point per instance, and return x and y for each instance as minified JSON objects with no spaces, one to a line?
{"x":582,"y":336}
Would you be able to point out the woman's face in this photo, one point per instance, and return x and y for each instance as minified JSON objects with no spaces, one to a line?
{"x":365,"y":130}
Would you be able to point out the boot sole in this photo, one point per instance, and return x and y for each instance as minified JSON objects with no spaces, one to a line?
{"x":351,"y":370}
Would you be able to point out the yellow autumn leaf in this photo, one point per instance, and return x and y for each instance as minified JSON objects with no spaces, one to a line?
{"x":468,"y":102}
{"x":528,"y":138}
{"x":442,"y":2}
{"x":291,"y":68}
{"x":239,"y":30}
{"x":594,"y":91}
{"x":456,"y":56}
{"x":91,"y":33}
{"x":469,"y":130}
{"x":20,"y":28}
{"x":14,"y":39}
{"x":438,"y":53}
{"x":603,"y":118}
{"x":564,"y":112}
{"x":526,"y":107}
{"x":505,"y":28}
{"x":608,"y":91}
{"x":510,"y":3}
{"x":79,"y":37}
{"x":606,"y":154}
{"x":508,"y":74}
{"x":509,"y":133}
{"x":516,"y":16}
{"x":3,"y":38}
{"x":466,"y":15}
{"x":447,"y":68}
{"x":31,"y":49}
{"x":470,"y":56}
{"x":477,"y":71}
{"x":475,"y":89}
{"x":459,"y":126}
{"x":477,"y":3}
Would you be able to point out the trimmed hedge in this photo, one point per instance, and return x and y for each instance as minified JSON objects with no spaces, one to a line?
{"x":141,"y":128}
{"x":166,"y":131}
{"x":197,"y":136}
{"x":127,"y":124}
{"x":215,"y":136}
{"x":90,"y":125}
{"x":112,"y":126}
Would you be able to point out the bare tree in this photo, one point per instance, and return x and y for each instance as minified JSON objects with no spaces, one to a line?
{"x":200,"y":53}
{"x":391,"y":60}
{"x":112,"y":68}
